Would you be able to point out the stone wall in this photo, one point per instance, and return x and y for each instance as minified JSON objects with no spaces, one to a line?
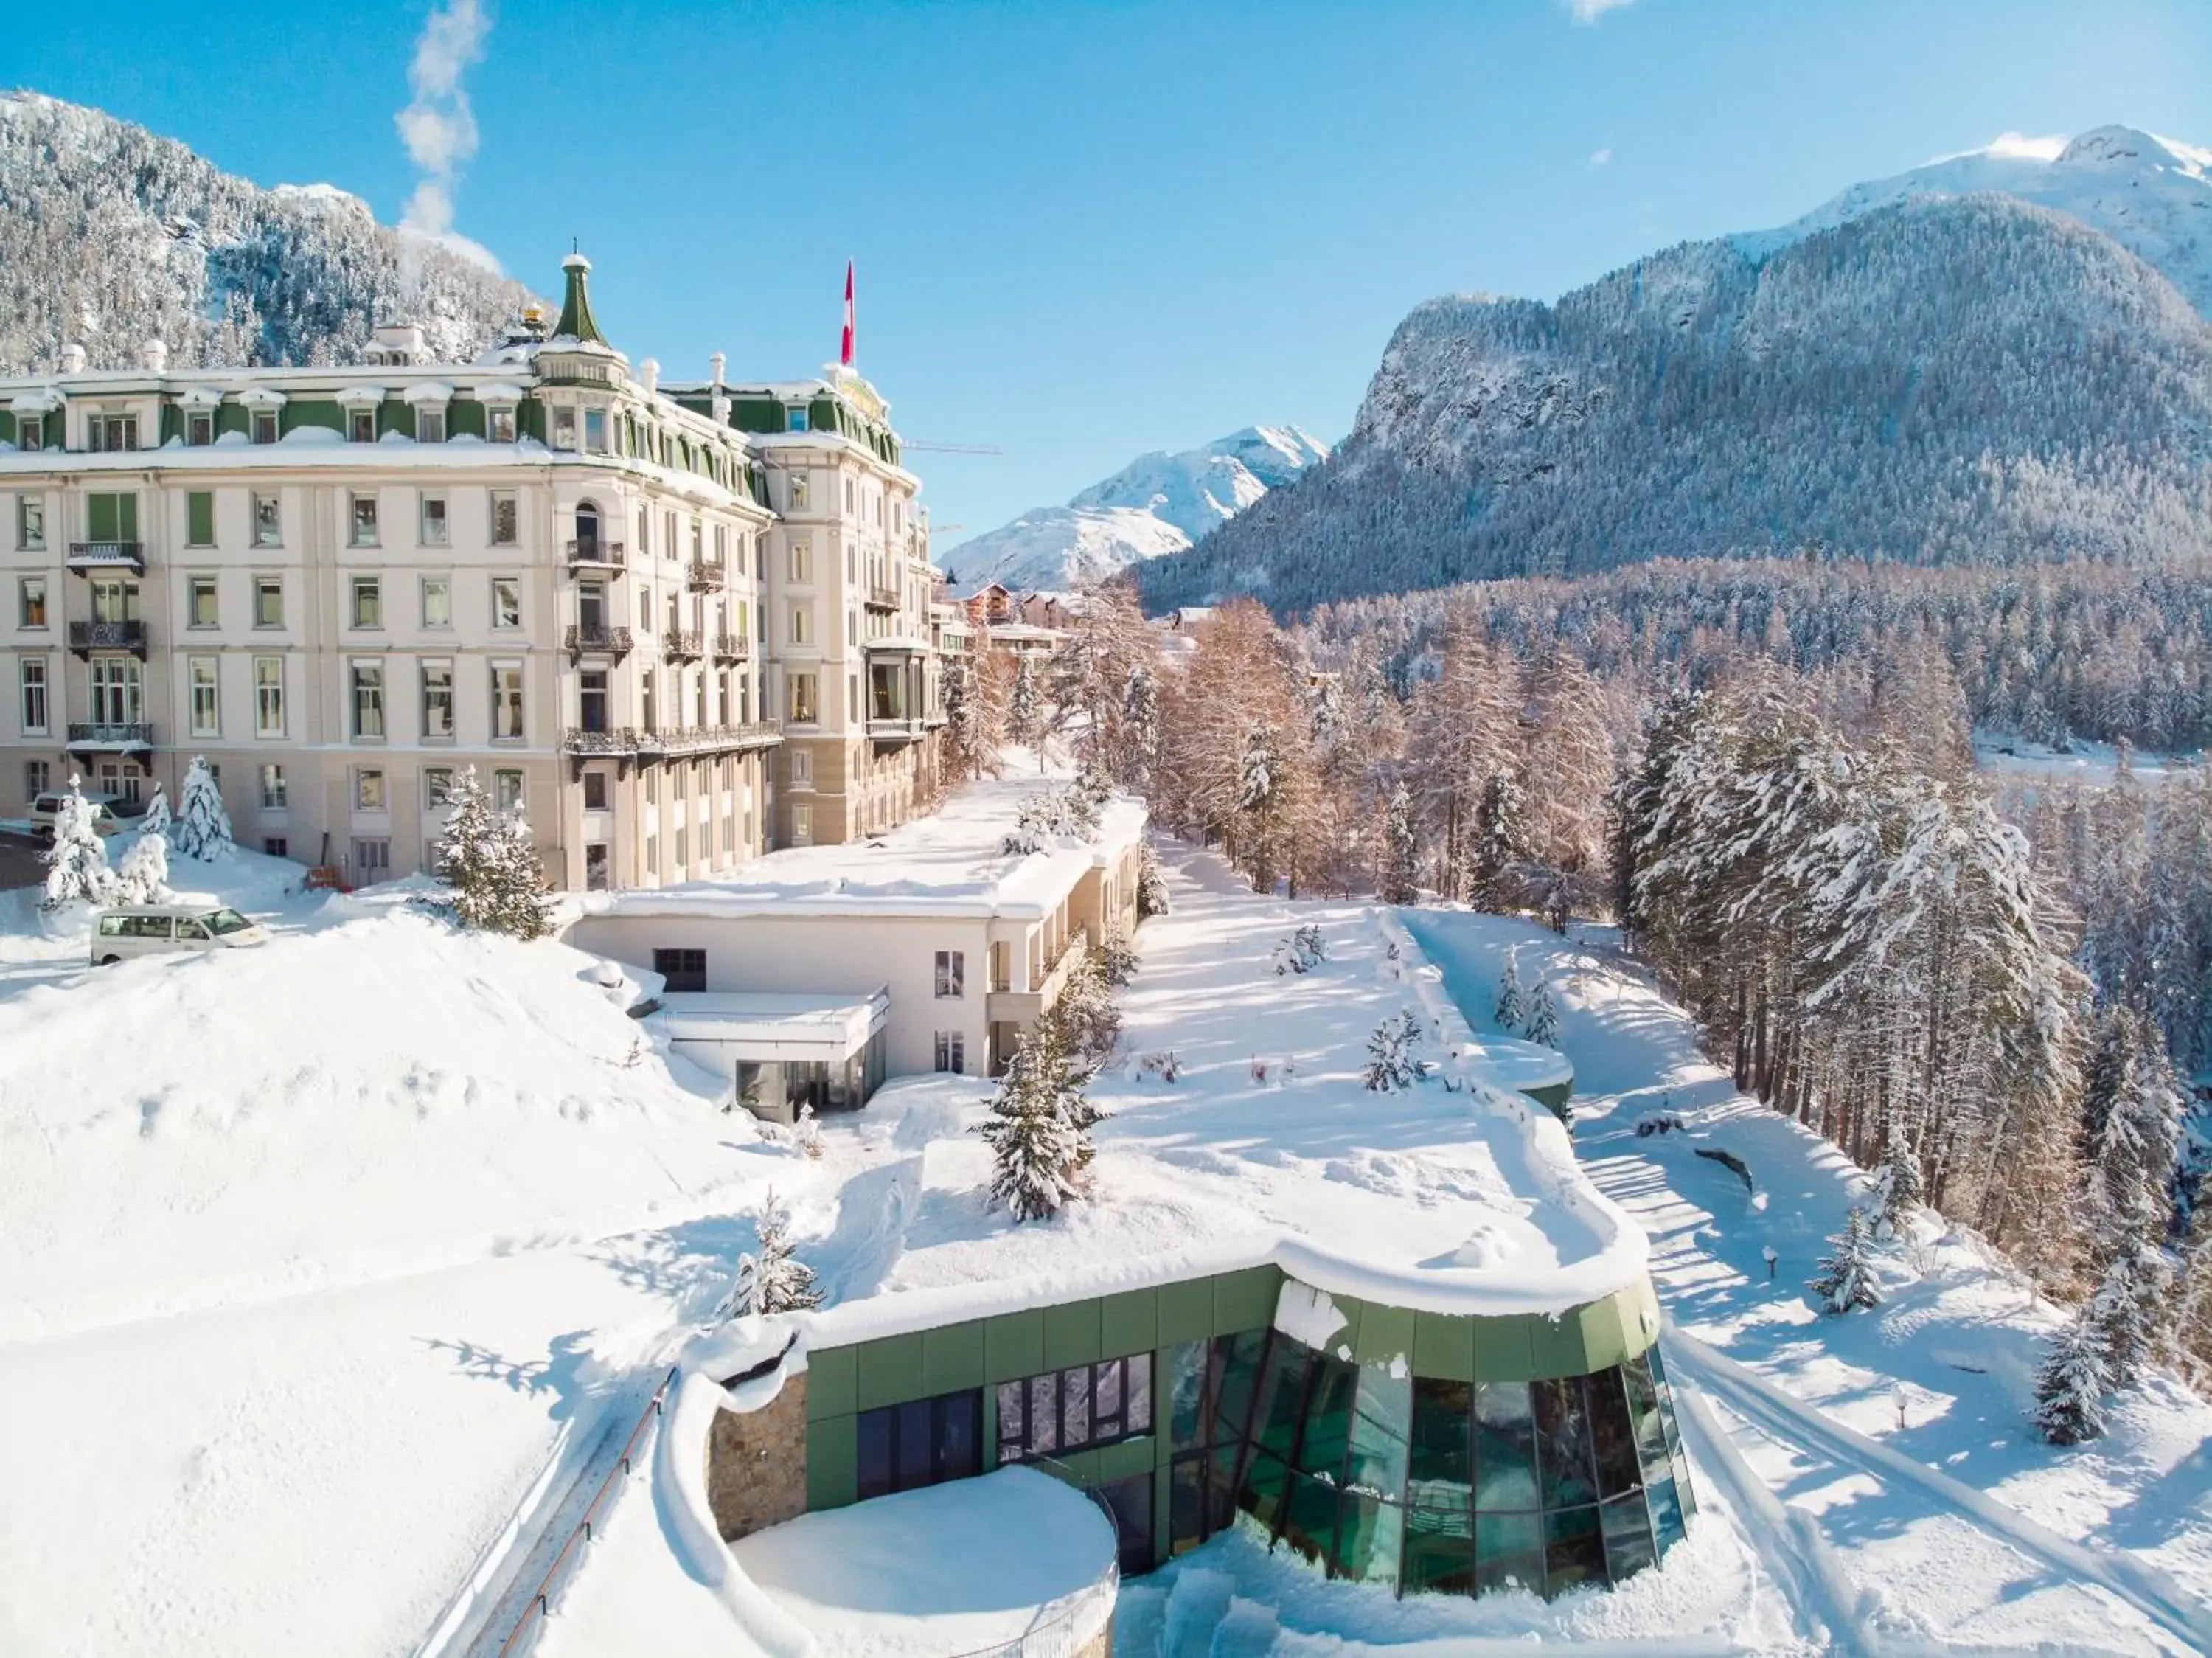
{"x":757,"y":1464}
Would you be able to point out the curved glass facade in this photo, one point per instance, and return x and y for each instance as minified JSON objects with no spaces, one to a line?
{"x":1419,"y":1484}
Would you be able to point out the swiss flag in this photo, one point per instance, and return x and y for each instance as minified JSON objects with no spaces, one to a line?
{"x":845,"y":351}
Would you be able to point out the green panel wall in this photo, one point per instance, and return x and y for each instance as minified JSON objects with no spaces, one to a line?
{"x":7,"y":426}
{"x":1128,"y":1323}
{"x":393,"y":416}
{"x":530,"y":419}
{"x":1013,"y":1345}
{"x":831,"y":1382}
{"x":1185,"y":1312}
{"x":1246,"y":1301}
{"x":952,"y":1357}
{"x":1552,"y":1094}
{"x":833,"y":1462}
{"x":1071,"y":1335}
{"x":1506,"y":1348}
{"x":890,"y":1370}
{"x":1385,"y":1332}
{"x":233,"y":418}
{"x":464,"y":417}
{"x":299,"y":415}
{"x":1443,"y":1346}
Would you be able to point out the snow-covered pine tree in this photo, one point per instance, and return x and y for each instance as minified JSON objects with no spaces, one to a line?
{"x":77,"y":863}
{"x":1846,"y":1276}
{"x":143,"y":877}
{"x":1899,"y":1182}
{"x":1151,"y":885}
{"x":1402,"y":851}
{"x":1025,"y":706}
{"x":1140,"y":726}
{"x":2071,"y":1383}
{"x":1509,"y":1011}
{"x":1386,"y":1058}
{"x":1261,"y":800}
{"x":1499,"y":839}
{"x":158,"y":819}
{"x":201,"y":830}
{"x":1543,"y":1026}
{"x":2132,"y":1303}
{"x":1038,"y":1152}
{"x":1117,"y":958}
{"x":777,"y":1281}
{"x":489,"y":860}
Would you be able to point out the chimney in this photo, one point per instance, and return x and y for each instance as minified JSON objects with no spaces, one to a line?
{"x":396,"y":342}
{"x":648,"y":372}
{"x":72,"y":358}
{"x":154,"y":353}
{"x":716,"y":365}
{"x":720,"y":407}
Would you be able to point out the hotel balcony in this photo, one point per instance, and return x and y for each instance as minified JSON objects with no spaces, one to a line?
{"x":683,"y":644}
{"x":85,"y":637}
{"x":86,"y":556}
{"x":621,"y":739}
{"x":103,"y":737}
{"x":705,"y":576}
{"x":1022,"y":1006}
{"x":880,"y":597}
{"x":710,"y":739}
{"x":595,"y":554}
{"x":601,"y":641}
{"x":899,"y":730}
{"x":731,"y":647}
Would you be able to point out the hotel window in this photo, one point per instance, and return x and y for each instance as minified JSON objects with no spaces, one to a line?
{"x":668,"y":535}
{"x":437,"y":601}
{"x":272,"y":788}
{"x":951,"y":974}
{"x":564,"y":426}
{"x":848,"y":497}
{"x":682,"y":845}
{"x":268,"y":524}
{"x":436,"y":533}
{"x":953,"y":1051}
{"x":924,"y":1441}
{"x":437,"y":699}
{"x":684,"y":970}
{"x":361,"y":523}
{"x":369,"y":700}
{"x":118,"y":690}
{"x":802,"y":826}
{"x":273,"y":846}
{"x":802,"y":765}
{"x":1075,"y":1408}
{"x":199,"y":518}
{"x":507,"y":790}
{"x":505,"y":519}
{"x":361,"y":426}
{"x":595,"y":431}
{"x":368,"y":601}
{"x":595,"y":791}
{"x":200,"y":602}
{"x":113,"y":432}
{"x":592,"y":699}
{"x":800,"y":692}
{"x":500,"y":423}
{"x":429,"y":425}
{"x":369,"y":789}
{"x":207,"y":719}
{"x":506,"y":602}
{"x":31,"y":433}
{"x":37,"y":776}
{"x":437,"y":786}
{"x":268,"y":601}
{"x":802,"y":561}
{"x":31,"y":600}
{"x":33,"y":671}
{"x":506,"y":702}
{"x":265,"y":425}
{"x":199,"y":428}
{"x":268,"y":696}
{"x":30,"y":522}
{"x":802,"y":625}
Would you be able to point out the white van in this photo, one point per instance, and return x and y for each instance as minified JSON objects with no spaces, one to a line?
{"x":130,"y":930}
{"x":109,"y":812}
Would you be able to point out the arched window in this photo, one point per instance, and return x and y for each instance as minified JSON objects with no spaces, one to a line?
{"x":587,"y":528}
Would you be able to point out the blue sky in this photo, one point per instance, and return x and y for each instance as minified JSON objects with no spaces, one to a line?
{"x":1086,"y":230}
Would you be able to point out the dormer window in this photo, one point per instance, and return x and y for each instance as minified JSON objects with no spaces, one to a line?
{"x":361,"y":426}
{"x":499,"y":424}
{"x":429,"y":425}
{"x":795,"y":418}
{"x":265,"y":425}
{"x":199,"y":428}
{"x":799,"y":491}
{"x":595,"y":431}
{"x":112,"y":432}
{"x":31,"y":432}
{"x":564,"y":426}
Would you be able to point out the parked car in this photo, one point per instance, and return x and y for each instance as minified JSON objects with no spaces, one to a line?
{"x":109,"y":812}
{"x":132,"y":929}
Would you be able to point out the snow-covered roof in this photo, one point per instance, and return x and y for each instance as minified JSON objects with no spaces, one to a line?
{"x":773,"y":1024}
{"x":949,"y":863}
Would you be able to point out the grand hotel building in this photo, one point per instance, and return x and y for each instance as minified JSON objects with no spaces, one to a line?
{"x":678,"y":624}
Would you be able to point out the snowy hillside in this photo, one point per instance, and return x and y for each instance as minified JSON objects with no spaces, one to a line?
{"x":2151,"y":195}
{"x":111,"y":236}
{"x":1910,"y":373}
{"x":1157,"y":504}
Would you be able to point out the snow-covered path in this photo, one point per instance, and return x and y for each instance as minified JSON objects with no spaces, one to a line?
{"x":1881,"y":1460}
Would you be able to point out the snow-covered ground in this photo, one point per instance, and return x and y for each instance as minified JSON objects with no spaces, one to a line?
{"x":2091,"y":763}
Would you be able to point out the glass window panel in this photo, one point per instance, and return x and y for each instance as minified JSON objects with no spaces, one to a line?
{"x":1509,"y":1553}
{"x":960,"y":1433}
{"x":1563,"y":1442}
{"x":1186,"y":1526}
{"x":1044,"y":1416}
{"x":1643,"y":1414}
{"x":1328,"y":1418}
{"x":1013,"y":1395}
{"x":873,"y":1434}
{"x":1262,"y":1494}
{"x":1221,"y":1488}
{"x":1574,"y":1551}
{"x":1282,"y":1392}
{"x":1612,"y":1440}
{"x":1368,"y":1536}
{"x":1310,"y":1518}
{"x":1381,"y":1423}
{"x":1665,"y":1513}
{"x":1439,"y":1548}
{"x":1137,"y":1382}
{"x":1439,"y":1449}
{"x":1106,"y":1393}
{"x":1627,"y":1531}
{"x":1131,"y":1501}
{"x":1236,"y":1371}
{"x":1075,"y":1407}
{"x":911,"y":1444}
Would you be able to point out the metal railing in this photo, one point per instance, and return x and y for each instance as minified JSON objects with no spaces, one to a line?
{"x":107,"y":636}
{"x":101,"y":734}
{"x":1054,"y":1629}
{"x":539,"y":1606}
{"x":731,"y":647}
{"x":592,"y":550}
{"x":705,"y":575}
{"x":681,"y":643}
{"x":88,"y":555}
{"x":599,"y":641}
{"x":881,"y":597}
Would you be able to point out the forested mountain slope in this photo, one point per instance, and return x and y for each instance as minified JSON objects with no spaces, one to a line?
{"x":111,"y":236}
{"x":1968,"y":380}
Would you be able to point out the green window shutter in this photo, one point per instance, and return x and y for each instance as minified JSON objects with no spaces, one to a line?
{"x":126,"y":518}
{"x":99,"y":518}
{"x":199,"y":515}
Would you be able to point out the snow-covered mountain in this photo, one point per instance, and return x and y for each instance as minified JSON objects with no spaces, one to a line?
{"x":1157,"y":504}
{"x":111,"y":236}
{"x":1909,"y":373}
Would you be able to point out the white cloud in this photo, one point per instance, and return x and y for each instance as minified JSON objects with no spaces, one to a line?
{"x":437,"y":126}
{"x":2013,"y":147}
{"x":1599,"y":157}
{"x":1588,"y":11}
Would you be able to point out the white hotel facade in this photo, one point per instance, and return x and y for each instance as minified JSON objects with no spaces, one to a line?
{"x":678,"y":625}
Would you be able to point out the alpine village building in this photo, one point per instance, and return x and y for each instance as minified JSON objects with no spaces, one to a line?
{"x":677,"y":624}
